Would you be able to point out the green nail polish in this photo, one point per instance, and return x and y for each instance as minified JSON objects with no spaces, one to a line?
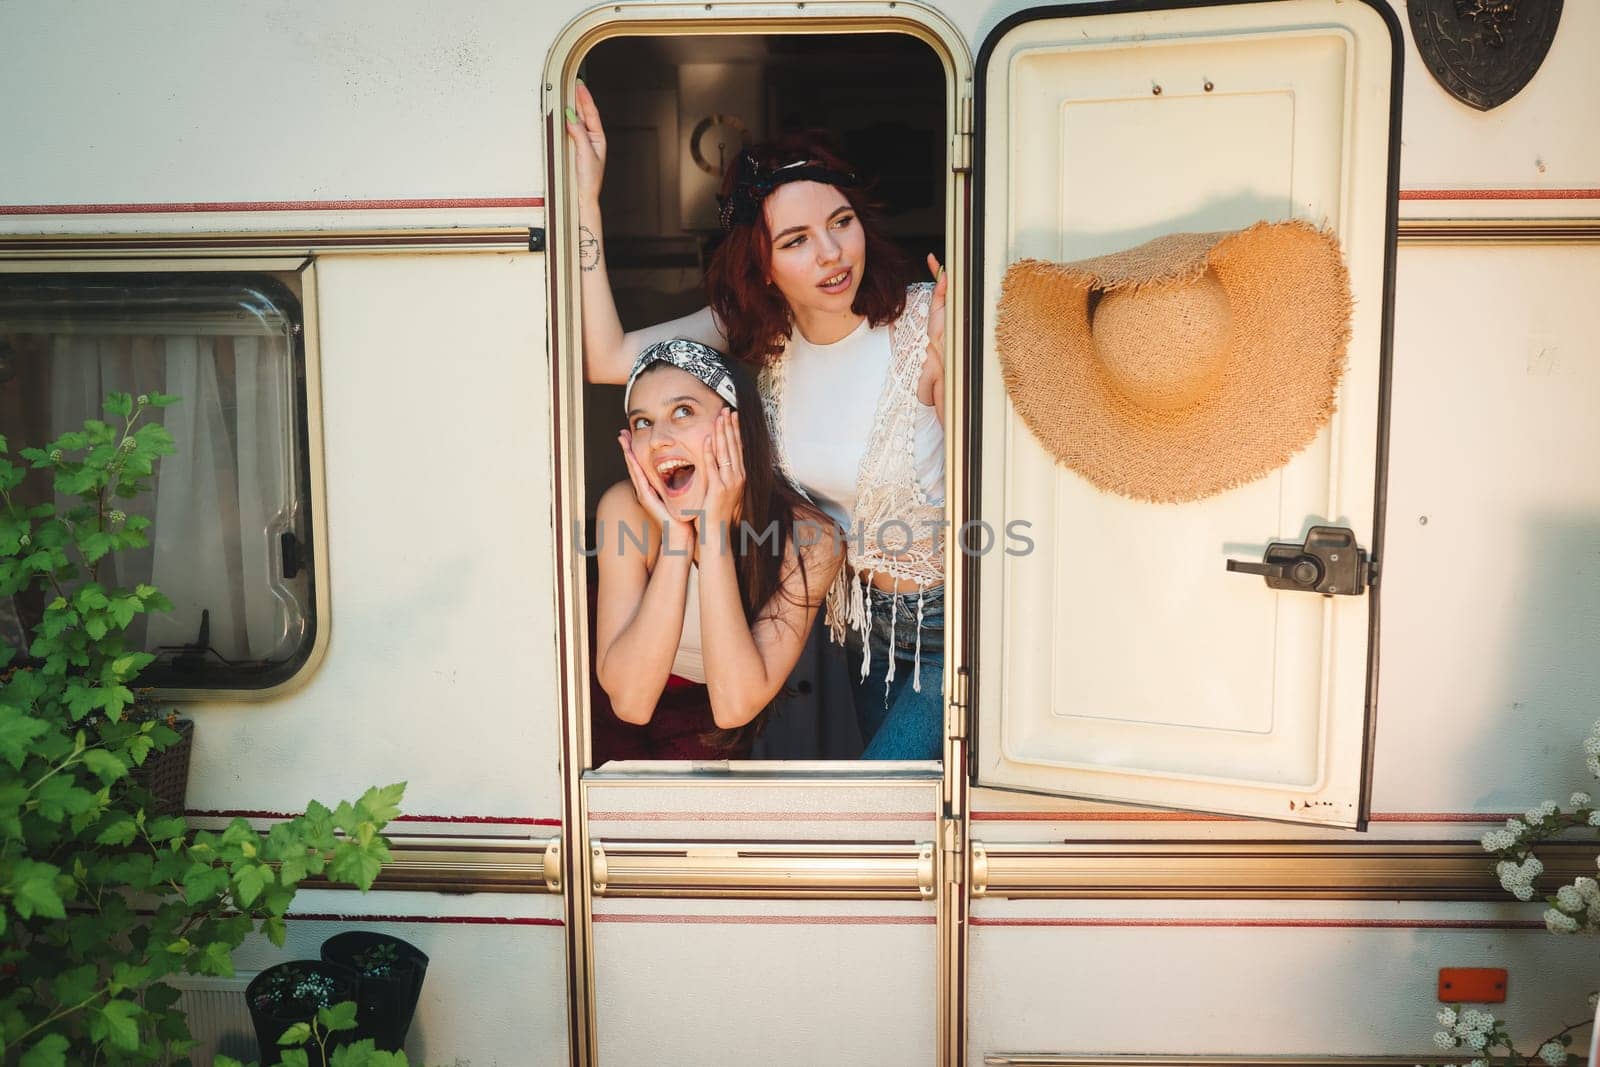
{"x":582,"y":82}
{"x":572,"y":116}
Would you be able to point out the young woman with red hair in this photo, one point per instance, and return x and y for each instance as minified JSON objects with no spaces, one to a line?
{"x":806,"y":288}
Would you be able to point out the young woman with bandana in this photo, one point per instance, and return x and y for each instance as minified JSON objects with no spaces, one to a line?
{"x":712,"y":567}
{"x":806,"y":287}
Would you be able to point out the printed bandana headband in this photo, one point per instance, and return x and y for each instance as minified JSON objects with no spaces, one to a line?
{"x":702,"y":361}
{"x":753,"y":183}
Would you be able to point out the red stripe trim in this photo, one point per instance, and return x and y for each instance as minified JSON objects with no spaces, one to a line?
{"x":178,"y":208}
{"x":1244,"y":924}
{"x":1099,"y":816}
{"x":445,"y":920}
{"x":481,"y":820}
{"x":770,"y":920}
{"x":1500,"y":194}
{"x":761,"y":816}
{"x":1487,"y":817}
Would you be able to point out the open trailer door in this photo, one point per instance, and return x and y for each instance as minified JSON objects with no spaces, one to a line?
{"x":1218,"y":653}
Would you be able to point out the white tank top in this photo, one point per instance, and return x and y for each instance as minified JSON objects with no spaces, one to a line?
{"x":830,"y":401}
{"x":689,"y":663}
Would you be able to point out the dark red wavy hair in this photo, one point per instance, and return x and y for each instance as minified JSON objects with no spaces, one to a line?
{"x":754,"y":315}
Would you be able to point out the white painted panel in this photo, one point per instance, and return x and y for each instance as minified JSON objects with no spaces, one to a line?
{"x":441,"y":663}
{"x":290,"y":100}
{"x":782,"y":983}
{"x":495,"y":992}
{"x":1123,"y":661}
{"x":1492,"y":584}
{"x":859,"y":804}
{"x":1263,"y":979}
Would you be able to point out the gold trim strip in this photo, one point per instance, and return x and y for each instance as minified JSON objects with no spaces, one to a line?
{"x":1040,"y":1059}
{"x":300,"y":243}
{"x":1499,"y":231}
{"x":751,"y":871}
{"x":471,"y":865}
{"x":269,"y":243}
{"x":1427,"y":871}
{"x":1456,"y":870}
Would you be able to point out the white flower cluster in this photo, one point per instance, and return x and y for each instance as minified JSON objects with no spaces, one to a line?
{"x":1559,"y":922}
{"x":1577,"y":905}
{"x":1501,"y":840}
{"x":1554,"y":1053}
{"x":1540,"y":813}
{"x":1470,"y":1028}
{"x":1579,"y":799}
{"x":1517,"y":878}
{"x":1498,"y":840}
{"x":1591,"y":750}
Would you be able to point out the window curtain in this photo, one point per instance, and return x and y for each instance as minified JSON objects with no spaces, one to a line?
{"x":222,"y":501}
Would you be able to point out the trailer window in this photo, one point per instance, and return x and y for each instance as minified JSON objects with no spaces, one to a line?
{"x":229,"y":534}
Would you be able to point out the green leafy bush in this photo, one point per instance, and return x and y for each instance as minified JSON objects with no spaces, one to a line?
{"x":100,"y":900}
{"x":329,"y":1020}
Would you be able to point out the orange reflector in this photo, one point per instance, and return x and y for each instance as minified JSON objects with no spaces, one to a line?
{"x":1477,"y":985}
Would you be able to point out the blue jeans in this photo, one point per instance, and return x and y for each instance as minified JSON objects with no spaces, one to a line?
{"x":901,"y":722}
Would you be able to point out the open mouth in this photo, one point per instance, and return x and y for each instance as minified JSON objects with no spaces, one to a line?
{"x":676,"y":475}
{"x":838,"y":283}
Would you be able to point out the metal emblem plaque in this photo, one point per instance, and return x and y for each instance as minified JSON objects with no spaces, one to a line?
{"x":1483,"y":51}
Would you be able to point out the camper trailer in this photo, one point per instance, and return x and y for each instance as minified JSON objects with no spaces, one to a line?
{"x":1185,"y":811}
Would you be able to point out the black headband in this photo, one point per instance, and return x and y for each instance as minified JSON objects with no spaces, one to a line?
{"x":753,"y":183}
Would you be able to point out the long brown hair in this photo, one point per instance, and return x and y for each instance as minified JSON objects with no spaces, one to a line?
{"x":771,"y":511}
{"x":754,"y":315}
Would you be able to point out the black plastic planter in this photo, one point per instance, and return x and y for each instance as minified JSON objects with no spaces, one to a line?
{"x":290,"y":993}
{"x":389,"y":975}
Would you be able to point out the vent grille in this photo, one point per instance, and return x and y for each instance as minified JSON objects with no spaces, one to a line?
{"x":218,"y":1018}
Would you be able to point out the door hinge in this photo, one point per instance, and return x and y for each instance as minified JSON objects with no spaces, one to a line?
{"x":552,"y":865}
{"x":950,"y":835}
{"x":960,"y":711}
{"x":978,"y":881}
{"x":952,"y":844}
{"x":961,"y":142}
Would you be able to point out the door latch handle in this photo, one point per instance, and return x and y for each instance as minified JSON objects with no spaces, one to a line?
{"x":1328,"y":562}
{"x":1302,"y":573}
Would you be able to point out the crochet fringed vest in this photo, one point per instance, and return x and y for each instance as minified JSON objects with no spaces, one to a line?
{"x":894,"y":530}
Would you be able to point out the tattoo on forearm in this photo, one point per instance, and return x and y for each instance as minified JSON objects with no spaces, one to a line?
{"x":588,"y":249}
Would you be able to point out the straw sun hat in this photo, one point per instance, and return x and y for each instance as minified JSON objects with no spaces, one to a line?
{"x":1192,"y":364}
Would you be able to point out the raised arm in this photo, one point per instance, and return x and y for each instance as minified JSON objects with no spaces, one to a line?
{"x":639,"y":617}
{"x":608,"y":351}
{"x":748,"y":662}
